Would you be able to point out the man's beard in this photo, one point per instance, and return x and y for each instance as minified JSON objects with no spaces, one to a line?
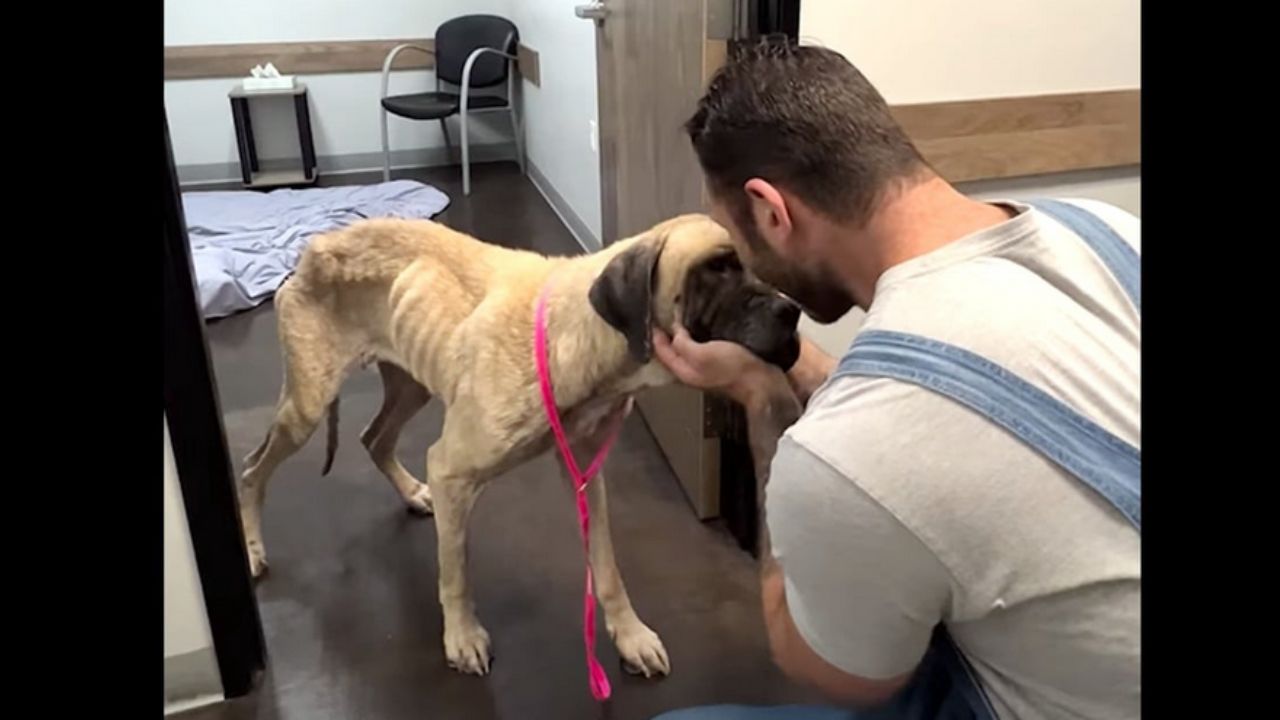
{"x":816,"y":290}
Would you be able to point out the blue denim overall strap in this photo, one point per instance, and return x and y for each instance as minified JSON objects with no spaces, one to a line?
{"x":1119,"y":256}
{"x":945,"y":685}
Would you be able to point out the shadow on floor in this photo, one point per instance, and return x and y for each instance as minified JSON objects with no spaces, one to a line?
{"x":349,"y":606}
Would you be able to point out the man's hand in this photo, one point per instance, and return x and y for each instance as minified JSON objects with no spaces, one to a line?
{"x":717,"y":366}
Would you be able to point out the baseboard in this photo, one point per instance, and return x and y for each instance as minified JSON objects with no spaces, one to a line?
{"x":181,"y":706}
{"x":191,"y":678}
{"x":587,"y":239}
{"x":211,"y":176}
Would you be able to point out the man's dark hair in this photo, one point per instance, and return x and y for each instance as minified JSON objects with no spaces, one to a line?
{"x":805,"y":119}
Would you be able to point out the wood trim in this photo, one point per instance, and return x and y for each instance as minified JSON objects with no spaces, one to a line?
{"x":185,"y":62}
{"x":189,"y":62}
{"x":1011,"y":137}
{"x":527,"y":62}
{"x":714,"y":55}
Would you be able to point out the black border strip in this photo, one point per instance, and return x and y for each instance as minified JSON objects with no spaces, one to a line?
{"x":775,"y":17}
{"x":204,"y":465}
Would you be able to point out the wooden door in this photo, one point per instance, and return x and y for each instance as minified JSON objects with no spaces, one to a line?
{"x":653,"y":57}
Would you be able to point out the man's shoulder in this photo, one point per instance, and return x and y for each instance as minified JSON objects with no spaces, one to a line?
{"x":1124,"y":223}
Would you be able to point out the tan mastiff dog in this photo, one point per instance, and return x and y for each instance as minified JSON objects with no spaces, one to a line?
{"x":445,"y":315}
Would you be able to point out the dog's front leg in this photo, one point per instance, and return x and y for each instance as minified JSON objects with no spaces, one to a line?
{"x":466,"y":642}
{"x":639,"y":647}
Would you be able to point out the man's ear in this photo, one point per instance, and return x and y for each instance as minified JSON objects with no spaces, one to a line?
{"x":623,"y":295}
{"x":770,"y":213}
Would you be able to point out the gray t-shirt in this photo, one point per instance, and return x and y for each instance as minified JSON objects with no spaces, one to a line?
{"x":892,"y":508}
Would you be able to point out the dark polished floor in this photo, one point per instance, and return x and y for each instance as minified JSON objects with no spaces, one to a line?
{"x":349,"y":605}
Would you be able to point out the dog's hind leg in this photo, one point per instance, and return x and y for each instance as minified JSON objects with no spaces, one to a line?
{"x":402,"y":398}
{"x":280,"y":443}
{"x":315,"y":363}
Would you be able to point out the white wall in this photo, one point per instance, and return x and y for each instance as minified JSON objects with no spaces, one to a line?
{"x":1121,"y":187}
{"x":560,"y":113}
{"x":917,"y":51}
{"x":344,"y":107}
{"x":187,"y":640}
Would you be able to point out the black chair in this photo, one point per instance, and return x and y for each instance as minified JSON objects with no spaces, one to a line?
{"x":471,"y":52}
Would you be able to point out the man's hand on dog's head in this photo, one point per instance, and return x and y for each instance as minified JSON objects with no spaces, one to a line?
{"x":716,"y":366}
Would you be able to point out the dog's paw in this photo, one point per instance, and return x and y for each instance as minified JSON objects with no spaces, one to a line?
{"x":467,"y":649}
{"x":419,"y":501}
{"x":641,"y":650}
{"x":257,"y":559}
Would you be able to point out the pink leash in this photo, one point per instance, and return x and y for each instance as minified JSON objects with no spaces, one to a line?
{"x":598,"y":680}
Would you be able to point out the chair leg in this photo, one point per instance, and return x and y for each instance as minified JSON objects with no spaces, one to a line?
{"x":517,"y":128}
{"x":466,"y":157}
{"x":448,"y":144}
{"x":386,"y":149}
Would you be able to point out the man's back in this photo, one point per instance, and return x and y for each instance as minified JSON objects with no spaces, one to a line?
{"x":891,"y":507}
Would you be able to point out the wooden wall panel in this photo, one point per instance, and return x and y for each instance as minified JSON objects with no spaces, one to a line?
{"x":1010,"y":137}
{"x":186,"y":62}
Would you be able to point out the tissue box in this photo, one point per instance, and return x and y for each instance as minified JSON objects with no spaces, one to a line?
{"x":284,"y":82}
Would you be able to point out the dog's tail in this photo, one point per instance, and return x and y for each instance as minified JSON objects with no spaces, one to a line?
{"x":331,"y":442}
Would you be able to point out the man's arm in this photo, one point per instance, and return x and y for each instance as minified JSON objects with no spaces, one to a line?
{"x":865,"y":624}
{"x":850,"y":594}
{"x":771,"y":406}
{"x":799,"y":662}
{"x":774,"y":402}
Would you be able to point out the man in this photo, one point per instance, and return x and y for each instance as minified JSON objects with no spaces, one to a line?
{"x":932,"y":555}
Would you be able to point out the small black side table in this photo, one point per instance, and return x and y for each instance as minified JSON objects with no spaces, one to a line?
{"x":250,"y":172}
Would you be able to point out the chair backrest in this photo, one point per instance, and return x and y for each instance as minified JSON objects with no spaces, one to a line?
{"x":456,"y":39}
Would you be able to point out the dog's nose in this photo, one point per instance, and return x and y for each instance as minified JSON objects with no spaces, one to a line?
{"x":787,"y":312}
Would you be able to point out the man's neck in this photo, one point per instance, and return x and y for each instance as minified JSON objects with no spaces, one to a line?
{"x":910,"y":222}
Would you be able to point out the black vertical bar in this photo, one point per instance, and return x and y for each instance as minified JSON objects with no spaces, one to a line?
{"x":789,"y":19}
{"x":194,"y":417}
{"x":774,"y":17}
{"x":304,"y":134}
{"x":249,"y":142}
{"x":739,"y":489}
{"x":244,"y":143}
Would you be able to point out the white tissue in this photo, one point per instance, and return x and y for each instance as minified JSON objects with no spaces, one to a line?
{"x":269,"y":71}
{"x":267,"y":78}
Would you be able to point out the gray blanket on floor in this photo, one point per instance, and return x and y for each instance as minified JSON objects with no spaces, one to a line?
{"x":244,"y":243}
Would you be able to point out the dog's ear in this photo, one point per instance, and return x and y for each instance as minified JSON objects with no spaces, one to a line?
{"x":623,"y":295}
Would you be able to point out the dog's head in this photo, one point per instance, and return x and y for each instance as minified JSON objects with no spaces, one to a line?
{"x":686,"y":267}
